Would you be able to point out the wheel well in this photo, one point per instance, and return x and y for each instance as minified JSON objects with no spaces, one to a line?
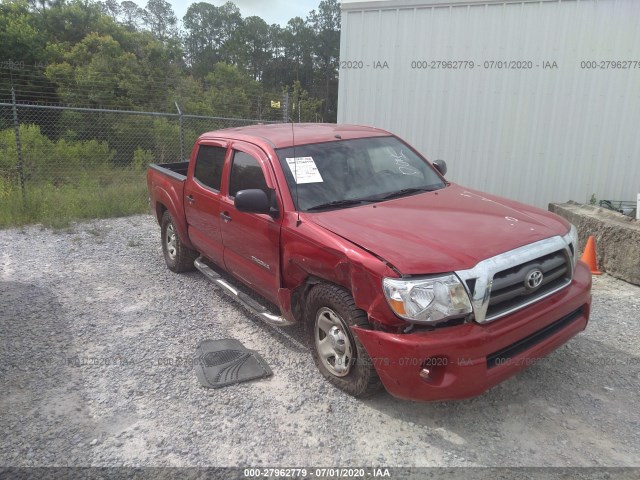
{"x":301,"y":293}
{"x":160,"y":209}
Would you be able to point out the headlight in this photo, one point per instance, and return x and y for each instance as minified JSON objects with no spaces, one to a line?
{"x":427,"y":300}
{"x":571,"y":239}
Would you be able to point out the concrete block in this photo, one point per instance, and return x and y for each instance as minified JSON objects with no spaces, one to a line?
{"x":617,"y":237}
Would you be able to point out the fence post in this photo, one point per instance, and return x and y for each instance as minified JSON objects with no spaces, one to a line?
{"x":16,"y":126}
{"x":181,"y":133}
{"x":285,"y":107}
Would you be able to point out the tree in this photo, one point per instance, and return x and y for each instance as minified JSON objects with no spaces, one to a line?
{"x":303,"y":108}
{"x":160,"y":19}
{"x":326,"y":49}
{"x":276,"y":70}
{"x":41,"y":6}
{"x":111,"y":8}
{"x":20,"y":38}
{"x":256,"y":42}
{"x":23,"y":46}
{"x":70,"y":22}
{"x":131,"y":14}
{"x":95,"y":73}
{"x":202,"y":47}
{"x":229,"y":33}
{"x":118,"y":55}
{"x":299,"y":41}
{"x":213,"y":34}
{"x":231,"y":92}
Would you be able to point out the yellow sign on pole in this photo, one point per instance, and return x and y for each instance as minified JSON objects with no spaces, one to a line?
{"x":275,"y":104}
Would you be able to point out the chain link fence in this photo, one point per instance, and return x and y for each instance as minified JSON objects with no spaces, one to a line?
{"x":65,"y":162}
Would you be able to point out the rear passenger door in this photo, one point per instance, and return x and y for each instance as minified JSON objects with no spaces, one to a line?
{"x":202,"y":199}
{"x":251,"y":241}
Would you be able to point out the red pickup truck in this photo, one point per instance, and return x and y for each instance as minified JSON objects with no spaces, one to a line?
{"x":404,"y":279}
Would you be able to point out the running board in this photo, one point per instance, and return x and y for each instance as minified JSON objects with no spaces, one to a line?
{"x":248,"y":302}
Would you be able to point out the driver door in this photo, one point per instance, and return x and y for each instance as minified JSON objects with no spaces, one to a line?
{"x":251,"y":241}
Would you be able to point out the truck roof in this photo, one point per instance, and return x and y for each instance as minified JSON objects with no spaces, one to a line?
{"x":279,"y":135}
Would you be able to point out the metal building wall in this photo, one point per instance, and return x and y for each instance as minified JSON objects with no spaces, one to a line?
{"x":536,"y":135}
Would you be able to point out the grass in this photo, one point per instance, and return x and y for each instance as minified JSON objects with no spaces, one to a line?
{"x":105,"y":193}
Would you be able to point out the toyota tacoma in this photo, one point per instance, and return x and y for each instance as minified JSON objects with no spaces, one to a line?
{"x":404,"y":279}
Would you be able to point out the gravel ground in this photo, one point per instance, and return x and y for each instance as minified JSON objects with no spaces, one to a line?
{"x":100,"y":290}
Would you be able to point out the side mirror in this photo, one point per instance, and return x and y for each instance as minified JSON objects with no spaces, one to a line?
{"x":252,"y":200}
{"x":441,"y":166}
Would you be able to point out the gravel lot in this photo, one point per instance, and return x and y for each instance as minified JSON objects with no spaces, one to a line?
{"x":100,"y":290}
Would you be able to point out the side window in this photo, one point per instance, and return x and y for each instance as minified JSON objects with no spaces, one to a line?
{"x":209,"y":163}
{"x":246,"y":173}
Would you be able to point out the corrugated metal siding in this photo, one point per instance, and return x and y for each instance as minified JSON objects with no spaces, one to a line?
{"x":537,"y":135}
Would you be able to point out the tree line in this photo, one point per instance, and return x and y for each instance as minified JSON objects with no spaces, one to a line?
{"x":111,"y":54}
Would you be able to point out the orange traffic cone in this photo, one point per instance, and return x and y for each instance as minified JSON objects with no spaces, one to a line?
{"x":589,"y":256}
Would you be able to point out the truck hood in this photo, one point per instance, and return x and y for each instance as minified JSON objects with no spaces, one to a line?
{"x":442,"y":231}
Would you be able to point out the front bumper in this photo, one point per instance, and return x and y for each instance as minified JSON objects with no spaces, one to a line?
{"x":466,"y":360}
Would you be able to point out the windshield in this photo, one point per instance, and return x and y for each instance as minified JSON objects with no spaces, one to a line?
{"x":352,"y":172}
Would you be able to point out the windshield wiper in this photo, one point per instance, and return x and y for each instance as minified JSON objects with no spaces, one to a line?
{"x":339,"y":203}
{"x":356,"y":201}
{"x":409,"y":191}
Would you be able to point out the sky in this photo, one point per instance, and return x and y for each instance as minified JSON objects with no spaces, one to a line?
{"x":271,"y":11}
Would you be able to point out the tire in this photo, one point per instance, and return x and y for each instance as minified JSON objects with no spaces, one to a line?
{"x":343,"y":361}
{"x":177,"y":257}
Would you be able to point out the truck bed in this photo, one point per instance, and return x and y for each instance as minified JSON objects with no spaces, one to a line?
{"x":177,"y":170}
{"x":166,"y":186}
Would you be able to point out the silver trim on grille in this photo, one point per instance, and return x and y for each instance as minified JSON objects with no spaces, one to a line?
{"x":485,"y":270}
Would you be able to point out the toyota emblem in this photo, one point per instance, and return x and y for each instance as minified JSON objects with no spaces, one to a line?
{"x":533,"y":279}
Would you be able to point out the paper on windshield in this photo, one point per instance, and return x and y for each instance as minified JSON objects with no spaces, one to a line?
{"x":304,"y":170}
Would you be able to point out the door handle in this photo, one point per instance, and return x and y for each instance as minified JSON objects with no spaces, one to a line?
{"x":190,"y":199}
{"x":225,"y":216}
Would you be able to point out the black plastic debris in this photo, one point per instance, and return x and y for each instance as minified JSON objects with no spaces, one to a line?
{"x":620,"y":206}
{"x":219,"y":363}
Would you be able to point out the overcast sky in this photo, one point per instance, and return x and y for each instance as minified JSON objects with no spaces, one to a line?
{"x":271,"y":11}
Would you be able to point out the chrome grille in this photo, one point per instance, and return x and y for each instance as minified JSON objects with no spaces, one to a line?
{"x":509,"y":288}
{"x":496,"y":285}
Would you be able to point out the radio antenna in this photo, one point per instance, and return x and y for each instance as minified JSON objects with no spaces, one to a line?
{"x":295,"y":174}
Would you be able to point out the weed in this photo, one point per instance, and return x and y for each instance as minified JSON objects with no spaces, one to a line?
{"x":110,"y":192}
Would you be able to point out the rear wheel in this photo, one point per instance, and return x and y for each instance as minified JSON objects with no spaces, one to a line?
{"x":177,"y":257}
{"x":337,"y":352}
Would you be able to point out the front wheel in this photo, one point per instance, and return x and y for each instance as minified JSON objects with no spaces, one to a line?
{"x":177,"y":257}
{"x":337,"y":352}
